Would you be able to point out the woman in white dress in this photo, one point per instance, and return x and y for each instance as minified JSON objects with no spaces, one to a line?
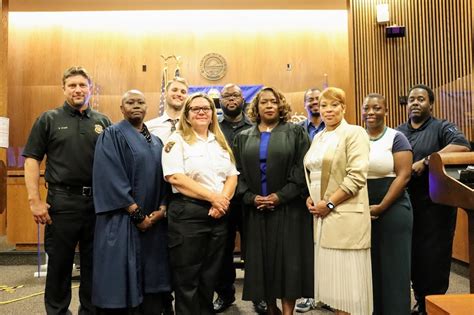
{"x":336,"y":173}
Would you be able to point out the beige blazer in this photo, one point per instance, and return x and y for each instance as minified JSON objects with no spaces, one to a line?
{"x":345,"y":165}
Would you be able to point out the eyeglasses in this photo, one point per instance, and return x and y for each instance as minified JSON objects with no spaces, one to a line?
{"x":235,"y":95}
{"x":196,"y":110}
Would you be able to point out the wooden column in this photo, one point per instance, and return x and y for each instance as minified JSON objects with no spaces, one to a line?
{"x":3,"y":96}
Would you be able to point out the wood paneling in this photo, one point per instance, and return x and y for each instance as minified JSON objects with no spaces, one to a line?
{"x":3,"y":85}
{"x":437,"y":51}
{"x":461,"y":237}
{"x":22,"y":229}
{"x":81,"y":5}
{"x":38,"y":55}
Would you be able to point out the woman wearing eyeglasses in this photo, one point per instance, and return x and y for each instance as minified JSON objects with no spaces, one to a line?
{"x":278,"y":240}
{"x":200,"y":166}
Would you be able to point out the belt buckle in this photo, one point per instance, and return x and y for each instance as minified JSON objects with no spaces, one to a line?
{"x":87,"y":191}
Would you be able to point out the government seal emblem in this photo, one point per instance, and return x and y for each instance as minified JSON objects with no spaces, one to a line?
{"x":213,"y":67}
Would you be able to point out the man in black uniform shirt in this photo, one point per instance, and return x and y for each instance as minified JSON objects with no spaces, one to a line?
{"x":67,"y":135}
{"x":433,"y":224}
{"x":231,"y":122}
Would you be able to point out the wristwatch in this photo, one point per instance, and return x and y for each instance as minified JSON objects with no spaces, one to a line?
{"x":330,"y":205}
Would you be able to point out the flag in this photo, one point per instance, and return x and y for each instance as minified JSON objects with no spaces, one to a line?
{"x":161,"y":106}
{"x":177,"y":72}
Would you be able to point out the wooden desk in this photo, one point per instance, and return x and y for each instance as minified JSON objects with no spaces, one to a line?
{"x":22,"y":230}
{"x":450,"y":304}
{"x":446,"y":190}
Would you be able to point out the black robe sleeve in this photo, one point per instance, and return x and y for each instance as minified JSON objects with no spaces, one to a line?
{"x":111,"y":178}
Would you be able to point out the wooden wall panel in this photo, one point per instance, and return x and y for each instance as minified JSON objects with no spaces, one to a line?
{"x":81,"y":5}
{"x":437,"y":51}
{"x":115,"y":59}
{"x":3,"y":84}
{"x":22,"y":229}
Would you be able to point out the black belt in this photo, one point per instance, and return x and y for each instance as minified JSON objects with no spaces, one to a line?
{"x":200,"y":202}
{"x":75,"y":190}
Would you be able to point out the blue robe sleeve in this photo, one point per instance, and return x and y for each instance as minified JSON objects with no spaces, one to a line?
{"x":112,"y":172}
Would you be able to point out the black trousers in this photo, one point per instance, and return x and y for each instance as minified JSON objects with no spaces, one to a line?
{"x":225,"y":286}
{"x":73,"y":223}
{"x":432,"y":244}
{"x":196,"y":243}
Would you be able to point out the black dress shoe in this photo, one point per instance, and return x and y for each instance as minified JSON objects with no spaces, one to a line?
{"x":260,"y":307}
{"x":221,"y":305}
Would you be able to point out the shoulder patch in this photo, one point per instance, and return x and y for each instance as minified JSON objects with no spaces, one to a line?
{"x":98,"y":129}
{"x":169,"y":145}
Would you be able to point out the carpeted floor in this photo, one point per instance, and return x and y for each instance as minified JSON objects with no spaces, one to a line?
{"x":26,"y":297}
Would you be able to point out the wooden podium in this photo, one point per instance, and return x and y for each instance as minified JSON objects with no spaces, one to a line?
{"x":445,"y":188}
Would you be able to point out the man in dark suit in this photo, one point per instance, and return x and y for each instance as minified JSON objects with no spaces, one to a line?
{"x":313,"y":124}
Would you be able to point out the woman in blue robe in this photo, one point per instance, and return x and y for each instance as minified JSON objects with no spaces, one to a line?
{"x":131,"y":271}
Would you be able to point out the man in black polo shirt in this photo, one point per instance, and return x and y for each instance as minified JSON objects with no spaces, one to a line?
{"x":232,"y":122}
{"x":67,"y":135}
{"x":433,"y":224}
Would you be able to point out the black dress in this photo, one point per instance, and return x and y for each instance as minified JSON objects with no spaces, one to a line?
{"x":278,"y":244}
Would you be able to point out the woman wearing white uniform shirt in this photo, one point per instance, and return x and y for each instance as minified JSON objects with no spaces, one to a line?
{"x":200,"y":166}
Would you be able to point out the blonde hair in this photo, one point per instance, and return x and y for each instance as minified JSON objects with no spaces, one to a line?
{"x":187,"y":132}
{"x":284,"y":108}
{"x":333,"y":94}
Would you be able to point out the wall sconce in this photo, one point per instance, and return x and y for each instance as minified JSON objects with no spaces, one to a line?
{"x":383,"y":15}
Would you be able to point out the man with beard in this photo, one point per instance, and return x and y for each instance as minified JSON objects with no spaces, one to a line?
{"x":175,"y":96}
{"x":67,"y":136}
{"x":433,"y":224}
{"x":232,"y":122}
{"x":313,"y":124}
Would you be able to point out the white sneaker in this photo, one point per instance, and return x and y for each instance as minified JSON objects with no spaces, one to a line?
{"x":305,"y":305}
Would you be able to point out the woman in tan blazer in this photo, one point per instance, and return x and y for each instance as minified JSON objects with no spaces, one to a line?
{"x":336,"y":173}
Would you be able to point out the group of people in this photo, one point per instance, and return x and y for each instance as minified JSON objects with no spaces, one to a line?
{"x":321,"y":206}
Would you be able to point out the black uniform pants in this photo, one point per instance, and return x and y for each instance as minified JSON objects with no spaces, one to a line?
{"x":196,"y":243}
{"x":225,"y":285}
{"x":73,"y":223}
{"x":432,"y":244}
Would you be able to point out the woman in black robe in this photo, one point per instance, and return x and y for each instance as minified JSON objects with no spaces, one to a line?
{"x":131,"y":271}
{"x":278,"y":244}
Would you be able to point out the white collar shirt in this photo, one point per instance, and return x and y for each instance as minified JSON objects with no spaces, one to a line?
{"x":161,"y":126}
{"x":205,"y":161}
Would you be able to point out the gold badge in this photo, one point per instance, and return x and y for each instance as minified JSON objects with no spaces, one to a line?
{"x":169,"y":146}
{"x":98,"y":129}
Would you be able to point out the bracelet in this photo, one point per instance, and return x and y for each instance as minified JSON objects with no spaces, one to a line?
{"x":137,"y":216}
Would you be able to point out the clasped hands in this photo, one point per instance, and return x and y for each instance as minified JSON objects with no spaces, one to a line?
{"x":151,"y":219}
{"x":220,"y":205}
{"x":266,"y":202}
{"x":319,"y":210}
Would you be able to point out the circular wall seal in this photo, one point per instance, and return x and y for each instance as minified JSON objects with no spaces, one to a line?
{"x":213,"y":67}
